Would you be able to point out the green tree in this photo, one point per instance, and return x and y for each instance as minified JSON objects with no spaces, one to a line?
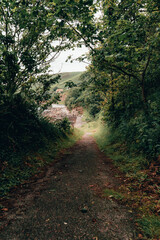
{"x":125,"y":69}
{"x":24,"y":47}
{"x":128,"y":39}
{"x":28,"y":32}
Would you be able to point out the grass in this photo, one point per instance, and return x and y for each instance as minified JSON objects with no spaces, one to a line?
{"x":150,"y":226}
{"x":111,"y":144}
{"x":113,"y":194}
{"x":66,"y":77}
{"x":92,"y":125}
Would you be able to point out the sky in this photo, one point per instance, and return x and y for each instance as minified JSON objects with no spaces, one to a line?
{"x":59,"y":65}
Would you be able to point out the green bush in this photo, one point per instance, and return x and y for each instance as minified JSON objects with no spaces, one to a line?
{"x":23,"y":130}
{"x":23,"y":133}
{"x":64,"y":125}
{"x":86,"y":98}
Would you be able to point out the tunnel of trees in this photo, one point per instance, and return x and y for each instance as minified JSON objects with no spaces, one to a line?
{"x":122,"y":81}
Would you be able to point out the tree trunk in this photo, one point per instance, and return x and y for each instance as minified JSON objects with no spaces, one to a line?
{"x":144,"y":97}
{"x":112,"y":99}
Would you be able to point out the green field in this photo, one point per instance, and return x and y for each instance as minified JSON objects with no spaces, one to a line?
{"x":66,"y":77}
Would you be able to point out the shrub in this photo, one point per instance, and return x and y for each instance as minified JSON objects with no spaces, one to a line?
{"x":23,"y":130}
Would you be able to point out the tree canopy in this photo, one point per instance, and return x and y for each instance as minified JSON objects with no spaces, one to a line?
{"x":124,"y":42}
{"x":124,"y":69}
{"x":28,"y":32}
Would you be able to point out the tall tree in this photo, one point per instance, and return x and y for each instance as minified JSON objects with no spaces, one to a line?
{"x":28,"y":30}
{"x":128,"y":40}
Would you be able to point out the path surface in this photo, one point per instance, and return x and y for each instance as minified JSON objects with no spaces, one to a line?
{"x":79,"y":122}
{"x":66,"y":204}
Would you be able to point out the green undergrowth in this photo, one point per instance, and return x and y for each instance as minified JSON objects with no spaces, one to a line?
{"x":28,"y":141}
{"x":139,"y":191}
{"x":150,"y":225}
{"x":25,"y":165}
{"x":110,"y":143}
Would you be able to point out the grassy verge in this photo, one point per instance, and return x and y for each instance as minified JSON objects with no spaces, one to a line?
{"x":140,"y":190}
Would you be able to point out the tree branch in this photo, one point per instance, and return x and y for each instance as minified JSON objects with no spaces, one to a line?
{"x":147,"y":64}
{"x":80,"y":35}
{"x":125,"y":72}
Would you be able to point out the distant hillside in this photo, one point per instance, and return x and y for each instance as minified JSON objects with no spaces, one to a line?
{"x":66,"y":77}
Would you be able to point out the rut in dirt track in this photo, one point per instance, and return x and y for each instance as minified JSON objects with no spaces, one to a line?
{"x":70,"y":207}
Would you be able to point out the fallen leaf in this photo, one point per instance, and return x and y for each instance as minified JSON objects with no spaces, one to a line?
{"x":5,"y":209}
{"x":140,"y":236}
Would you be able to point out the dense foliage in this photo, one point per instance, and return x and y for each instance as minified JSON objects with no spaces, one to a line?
{"x":133,"y":70}
{"x":85,"y":95}
{"x":32,"y":33}
{"x":125,"y":71}
{"x":122,"y":79}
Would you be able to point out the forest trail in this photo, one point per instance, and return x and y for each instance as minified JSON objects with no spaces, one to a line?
{"x":67,"y":203}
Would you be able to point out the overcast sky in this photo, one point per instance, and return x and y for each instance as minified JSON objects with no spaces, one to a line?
{"x":59,"y":65}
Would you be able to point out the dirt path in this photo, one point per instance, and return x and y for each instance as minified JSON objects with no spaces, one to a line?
{"x":79,"y":122}
{"x":67,"y":203}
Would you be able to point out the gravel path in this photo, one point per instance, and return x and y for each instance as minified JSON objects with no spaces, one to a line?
{"x":67,"y":203}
